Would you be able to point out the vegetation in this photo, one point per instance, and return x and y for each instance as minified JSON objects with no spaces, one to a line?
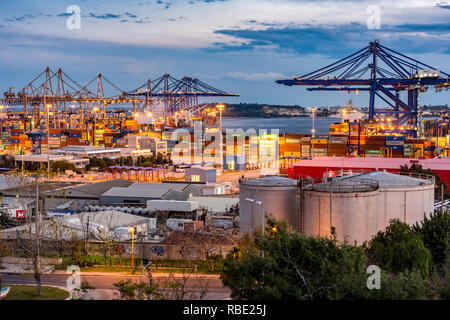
{"x":398,"y":249}
{"x":255,"y":110}
{"x":61,"y":166}
{"x":6,"y":221}
{"x":152,"y":161}
{"x":7,"y":161}
{"x":294,"y":266}
{"x":300,"y":267}
{"x":435,"y":231}
{"x":168,"y":288}
{"x":26,"y":292}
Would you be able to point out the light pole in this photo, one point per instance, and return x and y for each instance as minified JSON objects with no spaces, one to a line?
{"x":313,"y":131}
{"x":1,"y":129}
{"x":47,"y":106}
{"x":132,"y":230}
{"x":259,"y":203}
{"x":220,"y":107}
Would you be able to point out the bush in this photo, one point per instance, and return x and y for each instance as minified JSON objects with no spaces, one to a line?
{"x":399,"y":249}
{"x":435,"y":232}
{"x":294,"y":266}
{"x":408,"y":285}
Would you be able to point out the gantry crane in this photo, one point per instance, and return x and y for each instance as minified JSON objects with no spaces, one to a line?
{"x":384,"y":73}
{"x":177,"y":94}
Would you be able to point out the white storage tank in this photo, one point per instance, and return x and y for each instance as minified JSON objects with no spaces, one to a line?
{"x":357,"y":214}
{"x":403,"y":197}
{"x":350,"y":208}
{"x":278,"y":196}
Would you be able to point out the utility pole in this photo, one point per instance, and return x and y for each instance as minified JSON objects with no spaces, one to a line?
{"x":331,"y":208}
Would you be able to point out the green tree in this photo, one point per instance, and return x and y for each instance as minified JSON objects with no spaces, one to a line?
{"x":62,"y":166}
{"x":435,"y":231}
{"x":294,"y":266}
{"x":408,"y":285}
{"x":398,"y":249}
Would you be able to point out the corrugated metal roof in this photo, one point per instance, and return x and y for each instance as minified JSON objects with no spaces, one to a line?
{"x":99,"y":188}
{"x":145,"y":190}
{"x":215,"y":204}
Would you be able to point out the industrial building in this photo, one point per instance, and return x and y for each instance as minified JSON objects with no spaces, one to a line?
{"x":201,"y":174}
{"x":356,"y":206}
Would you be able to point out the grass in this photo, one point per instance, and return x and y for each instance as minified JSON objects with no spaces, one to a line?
{"x":123,"y":265}
{"x":25,"y":292}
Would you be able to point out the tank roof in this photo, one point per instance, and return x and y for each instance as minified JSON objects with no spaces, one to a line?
{"x":270,"y":181}
{"x":390,"y":180}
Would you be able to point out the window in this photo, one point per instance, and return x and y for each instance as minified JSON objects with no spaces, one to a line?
{"x":195,"y":178}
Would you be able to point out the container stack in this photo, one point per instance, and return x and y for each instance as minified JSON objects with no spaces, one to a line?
{"x":319,"y":147}
{"x":374,"y":145}
{"x":306,"y":147}
{"x":396,"y":145}
{"x":337,"y":146}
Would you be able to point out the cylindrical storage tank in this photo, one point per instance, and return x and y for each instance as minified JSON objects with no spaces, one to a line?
{"x":354,"y":215}
{"x":404,"y":197}
{"x":278,"y":196}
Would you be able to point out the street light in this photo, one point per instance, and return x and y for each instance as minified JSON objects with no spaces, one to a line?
{"x":220,"y":107}
{"x":313,"y":130}
{"x":132,"y":230}
{"x":259,"y":203}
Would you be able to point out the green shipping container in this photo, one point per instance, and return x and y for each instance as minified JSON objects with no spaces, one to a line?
{"x":373,"y":151}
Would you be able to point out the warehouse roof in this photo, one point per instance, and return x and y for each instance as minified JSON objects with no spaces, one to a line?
{"x":100,"y":188}
{"x":215,"y":204}
{"x":145,"y":190}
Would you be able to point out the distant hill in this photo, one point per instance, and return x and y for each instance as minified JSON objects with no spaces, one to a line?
{"x":261,"y":110}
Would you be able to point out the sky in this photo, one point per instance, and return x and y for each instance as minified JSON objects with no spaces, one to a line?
{"x":238,"y":46}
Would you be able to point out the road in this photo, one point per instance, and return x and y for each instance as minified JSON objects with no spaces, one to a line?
{"x":105,"y":282}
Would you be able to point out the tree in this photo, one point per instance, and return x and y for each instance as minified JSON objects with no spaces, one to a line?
{"x":294,"y":266}
{"x":61,"y":166}
{"x":435,"y":231}
{"x":441,"y":280}
{"x":170,"y":287}
{"x":407,"y":285}
{"x":399,"y":249}
{"x":34,"y":227}
{"x":6,"y":221}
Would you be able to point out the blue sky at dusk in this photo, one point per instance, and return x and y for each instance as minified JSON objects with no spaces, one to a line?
{"x":240,"y":46}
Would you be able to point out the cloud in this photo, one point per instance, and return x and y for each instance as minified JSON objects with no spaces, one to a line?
{"x":336,"y":40}
{"x":443,"y":5}
{"x":105,"y":16}
{"x":255,"y":76}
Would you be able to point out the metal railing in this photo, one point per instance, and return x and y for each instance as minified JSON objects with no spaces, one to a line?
{"x":344,"y":186}
{"x":422,"y":176}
